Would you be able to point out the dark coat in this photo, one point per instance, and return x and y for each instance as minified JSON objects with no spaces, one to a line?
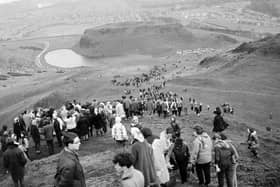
{"x":48,"y":132}
{"x":56,"y":127}
{"x":34,"y":131}
{"x":83,"y":125}
{"x":219,"y":124}
{"x":69,"y":172}
{"x":14,"y":161}
{"x":17,"y":129}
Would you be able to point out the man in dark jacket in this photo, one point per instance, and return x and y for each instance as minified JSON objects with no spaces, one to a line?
{"x":219,"y":123}
{"x":14,"y":161}
{"x":69,"y":172}
{"x":48,"y":133}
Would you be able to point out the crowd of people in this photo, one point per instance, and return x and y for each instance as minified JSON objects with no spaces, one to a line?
{"x":151,"y":158}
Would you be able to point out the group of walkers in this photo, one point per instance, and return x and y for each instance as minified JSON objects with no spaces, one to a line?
{"x":155,"y":156}
{"x":151,"y":157}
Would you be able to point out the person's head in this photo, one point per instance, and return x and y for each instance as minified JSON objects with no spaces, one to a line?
{"x":146,"y":132}
{"x":54,"y":114}
{"x":169,"y":132}
{"x":4,"y":128}
{"x":118,"y":119}
{"x":217,"y":111}
{"x":135,"y":120}
{"x":198,"y":130}
{"x":71,"y":141}
{"x":173,"y":119}
{"x":123,"y":161}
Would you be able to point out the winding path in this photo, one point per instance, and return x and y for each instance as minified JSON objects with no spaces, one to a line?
{"x":38,"y":58}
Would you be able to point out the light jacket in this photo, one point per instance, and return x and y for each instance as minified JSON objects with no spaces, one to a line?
{"x":119,"y":131}
{"x":202,"y":149}
{"x":132,"y":178}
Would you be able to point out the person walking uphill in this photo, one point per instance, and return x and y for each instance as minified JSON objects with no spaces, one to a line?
{"x":69,"y":172}
{"x":201,"y":155}
{"x":14,"y":161}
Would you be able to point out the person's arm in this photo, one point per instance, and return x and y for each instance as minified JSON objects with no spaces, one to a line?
{"x":235,"y":152}
{"x":194,"y":152}
{"x":124,"y":133}
{"x":22,"y":158}
{"x":66,"y":177}
{"x":217,"y":156}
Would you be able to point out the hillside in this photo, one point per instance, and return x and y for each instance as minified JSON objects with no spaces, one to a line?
{"x":143,"y":38}
{"x":270,"y":7}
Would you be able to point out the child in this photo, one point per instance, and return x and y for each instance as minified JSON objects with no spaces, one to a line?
{"x":253,"y":142}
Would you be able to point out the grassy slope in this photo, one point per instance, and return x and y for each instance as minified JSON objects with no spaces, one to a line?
{"x":240,"y":89}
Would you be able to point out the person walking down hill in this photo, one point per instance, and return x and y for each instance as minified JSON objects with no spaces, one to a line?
{"x":221,"y":137}
{"x":219,"y":123}
{"x":182,"y":157}
{"x":144,"y":158}
{"x":119,"y":133}
{"x":14,"y":161}
{"x":161,"y":165}
{"x":48,"y":133}
{"x":224,"y":160}
{"x":201,"y":155}
{"x":69,"y":171}
{"x":35,"y":134}
{"x":175,"y":127}
{"x":130,"y":177}
{"x":253,"y":142}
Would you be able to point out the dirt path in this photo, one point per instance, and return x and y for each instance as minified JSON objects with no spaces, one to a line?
{"x":38,"y":58}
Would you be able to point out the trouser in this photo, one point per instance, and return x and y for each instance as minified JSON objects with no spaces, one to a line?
{"x":183,"y":172}
{"x":179,"y":111}
{"x":164,"y":113}
{"x":126,"y":110}
{"x":18,"y":181}
{"x":203,"y":173}
{"x":234,"y":175}
{"x":58,"y":137}
{"x":50,"y":146}
{"x":37,"y":146}
{"x":226,"y":172}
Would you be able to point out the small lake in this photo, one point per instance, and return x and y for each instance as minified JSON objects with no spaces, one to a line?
{"x":67,"y":58}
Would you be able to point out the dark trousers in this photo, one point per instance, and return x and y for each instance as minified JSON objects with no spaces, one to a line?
{"x":226,"y":172}
{"x":183,"y":172}
{"x":179,"y":111}
{"x":37,"y":145}
{"x":50,"y":146}
{"x":18,"y":181}
{"x":126,"y":110}
{"x":164,"y":113}
{"x":203,"y":173}
{"x":58,"y":137}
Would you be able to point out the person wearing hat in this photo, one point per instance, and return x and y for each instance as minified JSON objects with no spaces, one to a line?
{"x":201,"y":155}
{"x":14,"y":161}
{"x":69,"y":171}
{"x":219,"y":123}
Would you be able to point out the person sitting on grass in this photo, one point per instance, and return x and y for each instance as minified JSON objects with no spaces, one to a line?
{"x":130,"y":177}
